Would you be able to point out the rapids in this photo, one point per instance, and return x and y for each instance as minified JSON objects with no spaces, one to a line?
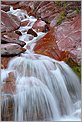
{"x":46,"y":89}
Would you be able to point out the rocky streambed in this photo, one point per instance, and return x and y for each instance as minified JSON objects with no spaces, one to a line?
{"x":33,"y":29}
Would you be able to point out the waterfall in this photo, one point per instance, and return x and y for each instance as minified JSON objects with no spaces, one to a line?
{"x":46,"y":89}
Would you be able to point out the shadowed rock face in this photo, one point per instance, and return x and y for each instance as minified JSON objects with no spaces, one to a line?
{"x":5,"y":7}
{"x":30,"y":31}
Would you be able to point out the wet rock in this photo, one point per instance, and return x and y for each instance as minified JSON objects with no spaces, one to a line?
{"x":9,"y":88}
{"x":11,"y":77}
{"x":32,"y":32}
{"x":40,"y":26}
{"x":10,"y":35}
{"x":18,"y":32}
{"x":47,"y":46}
{"x":11,"y":38}
{"x":4,"y":61}
{"x":9,"y":22}
{"x":24,"y":23}
{"x":2,"y":67}
{"x":5,"y":8}
{"x":11,"y":49}
{"x":68,"y":36}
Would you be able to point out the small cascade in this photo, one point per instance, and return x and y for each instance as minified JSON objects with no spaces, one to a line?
{"x":45,"y":89}
{"x":34,"y":101}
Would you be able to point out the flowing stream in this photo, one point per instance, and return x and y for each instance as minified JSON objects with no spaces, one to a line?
{"x":46,"y":89}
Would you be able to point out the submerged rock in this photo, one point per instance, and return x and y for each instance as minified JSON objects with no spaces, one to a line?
{"x":4,"y":61}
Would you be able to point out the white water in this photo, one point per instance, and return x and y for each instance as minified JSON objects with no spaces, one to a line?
{"x":46,"y":89}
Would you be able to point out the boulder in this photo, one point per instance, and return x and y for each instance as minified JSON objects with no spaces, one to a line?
{"x":47,"y":46}
{"x":11,"y":23}
{"x":68,"y":37}
{"x":11,"y":38}
{"x":11,"y":49}
{"x":32,"y":32}
{"x":5,"y":7}
{"x":40,"y":26}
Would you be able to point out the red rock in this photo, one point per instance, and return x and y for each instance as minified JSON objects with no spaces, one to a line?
{"x":11,"y":49}
{"x":47,"y":46}
{"x":25,"y":6}
{"x":5,"y":7}
{"x":32,"y":32}
{"x":11,"y":35}
{"x":9,"y":2}
{"x":3,"y":28}
{"x":68,"y":36}
{"x":54,"y":20}
{"x":46,"y":7}
{"x":40,"y":26}
{"x":15,"y":18}
{"x":10,"y":23}
{"x":4,"y":61}
{"x":24,"y":23}
{"x":11,"y":38}
{"x":9,"y":88}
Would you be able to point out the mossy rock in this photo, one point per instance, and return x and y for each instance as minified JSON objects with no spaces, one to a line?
{"x":77,"y":70}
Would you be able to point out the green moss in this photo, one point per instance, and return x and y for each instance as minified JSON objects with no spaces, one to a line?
{"x":77,"y":70}
{"x":61,"y":3}
{"x":77,"y":10}
{"x":61,"y":17}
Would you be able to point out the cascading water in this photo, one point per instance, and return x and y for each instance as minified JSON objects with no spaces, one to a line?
{"x":46,"y":89}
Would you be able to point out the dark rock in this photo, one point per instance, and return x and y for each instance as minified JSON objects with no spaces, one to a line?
{"x":18,"y":32}
{"x":9,"y":2}
{"x":30,"y":31}
{"x":5,"y":8}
